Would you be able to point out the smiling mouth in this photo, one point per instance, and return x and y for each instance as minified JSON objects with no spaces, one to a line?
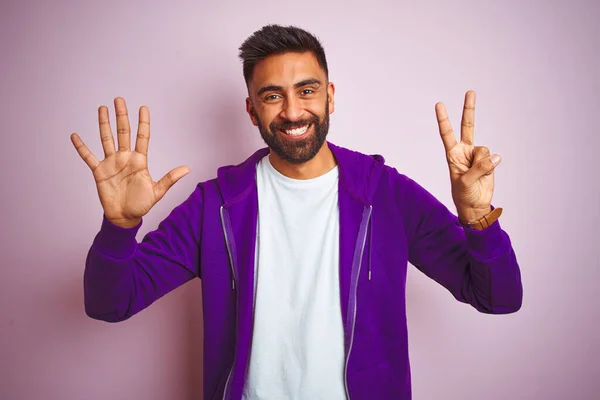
{"x":297,"y":131}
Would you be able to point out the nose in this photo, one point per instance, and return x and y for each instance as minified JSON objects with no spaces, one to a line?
{"x":292,"y":109}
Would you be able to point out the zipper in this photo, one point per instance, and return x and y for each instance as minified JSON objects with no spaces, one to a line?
{"x":229,"y":253}
{"x":365,"y":223}
{"x":228,"y":247}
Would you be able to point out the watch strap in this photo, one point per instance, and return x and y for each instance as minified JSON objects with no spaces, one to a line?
{"x":485,"y":221}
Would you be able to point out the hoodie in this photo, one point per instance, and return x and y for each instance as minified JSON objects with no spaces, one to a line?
{"x":387,"y":221}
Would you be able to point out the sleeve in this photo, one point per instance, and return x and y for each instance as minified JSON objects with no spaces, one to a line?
{"x":123,"y":277}
{"x":478,"y":267}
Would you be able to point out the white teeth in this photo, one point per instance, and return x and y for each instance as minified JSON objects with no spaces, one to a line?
{"x":297,"y":131}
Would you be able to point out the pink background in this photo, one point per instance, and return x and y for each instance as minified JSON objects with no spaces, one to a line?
{"x":535,"y":67}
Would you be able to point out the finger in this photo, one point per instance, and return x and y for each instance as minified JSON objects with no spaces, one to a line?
{"x":84,"y":152}
{"x":467,"y":125}
{"x":484,"y":167}
{"x":123,"y":132}
{"x":106,"y":137}
{"x":169,"y":180}
{"x":479,"y":153}
{"x":444,"y":126}
{"x":143,"y":132}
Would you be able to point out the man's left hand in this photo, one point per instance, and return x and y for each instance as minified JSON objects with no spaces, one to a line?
{"x":471,"y":167}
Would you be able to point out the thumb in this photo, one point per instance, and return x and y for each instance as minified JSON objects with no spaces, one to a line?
{"x":165,"y":183}
{"x":484,"y":167}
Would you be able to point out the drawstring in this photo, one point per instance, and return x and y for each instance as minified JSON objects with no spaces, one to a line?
{"x":370,"y":244}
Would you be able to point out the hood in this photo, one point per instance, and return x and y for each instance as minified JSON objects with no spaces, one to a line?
{"x":359,"y":174}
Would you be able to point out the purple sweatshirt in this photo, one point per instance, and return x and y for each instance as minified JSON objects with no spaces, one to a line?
{"x":386,"y":221}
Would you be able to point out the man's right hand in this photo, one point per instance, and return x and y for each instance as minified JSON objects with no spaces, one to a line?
{"x":126,"y":190}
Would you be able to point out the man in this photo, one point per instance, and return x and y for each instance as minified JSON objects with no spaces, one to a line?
{"x":303,"y":248}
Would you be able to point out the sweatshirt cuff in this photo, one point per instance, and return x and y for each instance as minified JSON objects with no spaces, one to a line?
{"x":489,"y":243}
{"x":115,"y":241}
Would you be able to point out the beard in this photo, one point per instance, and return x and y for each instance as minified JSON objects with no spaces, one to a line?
{"x":296,"y":151}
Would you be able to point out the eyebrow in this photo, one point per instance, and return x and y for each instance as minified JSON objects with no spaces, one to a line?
{"x":309,"y":81}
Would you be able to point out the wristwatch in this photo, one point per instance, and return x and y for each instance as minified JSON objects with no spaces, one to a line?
{"x":485,"y":221}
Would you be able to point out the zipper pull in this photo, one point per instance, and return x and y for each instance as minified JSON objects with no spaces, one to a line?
{"x":233,"y":284}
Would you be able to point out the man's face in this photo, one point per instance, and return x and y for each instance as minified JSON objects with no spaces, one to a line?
{"x":290,"y":101}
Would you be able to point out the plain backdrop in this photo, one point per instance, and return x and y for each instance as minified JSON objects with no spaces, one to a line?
{"x":534,"y":64}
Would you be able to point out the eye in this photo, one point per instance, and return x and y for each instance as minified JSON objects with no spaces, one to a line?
{"x":272,"y":97}
{"x":307,"y":91}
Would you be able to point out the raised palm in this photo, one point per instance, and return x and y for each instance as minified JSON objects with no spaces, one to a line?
{"x":471,"y":167}
{"x":125,"y":187}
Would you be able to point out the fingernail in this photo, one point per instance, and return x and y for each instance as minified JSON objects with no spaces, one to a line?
{"x":495,"y":159}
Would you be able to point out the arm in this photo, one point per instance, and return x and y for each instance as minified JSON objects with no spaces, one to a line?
{"x":478,"y":267}
{"x":122,"y":276}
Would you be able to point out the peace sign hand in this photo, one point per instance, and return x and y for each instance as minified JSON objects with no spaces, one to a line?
{"x":126,"y":190}
{"x":471,"y":167}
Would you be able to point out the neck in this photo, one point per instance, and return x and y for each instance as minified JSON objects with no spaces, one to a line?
{"x":320,"y":164}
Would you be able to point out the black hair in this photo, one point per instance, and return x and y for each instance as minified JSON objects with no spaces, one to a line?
{"x":276,"y":39}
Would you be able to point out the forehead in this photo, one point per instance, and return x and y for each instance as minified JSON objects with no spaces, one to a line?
{"x":285,"y":70}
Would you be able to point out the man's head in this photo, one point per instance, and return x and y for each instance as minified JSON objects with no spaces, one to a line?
{"x":289,"y":93}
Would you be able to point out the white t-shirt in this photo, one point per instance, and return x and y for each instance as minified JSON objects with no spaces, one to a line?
{"x":298,"y":339}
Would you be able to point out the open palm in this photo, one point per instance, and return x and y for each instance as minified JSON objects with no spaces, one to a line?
{"x":125,"y":187}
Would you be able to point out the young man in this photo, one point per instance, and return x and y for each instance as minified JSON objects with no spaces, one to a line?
{"x":303,"y":248}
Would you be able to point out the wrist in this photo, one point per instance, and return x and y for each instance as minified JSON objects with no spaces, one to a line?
{"x":484,"y":221}
{"x":125,"y":223}
{"x":472,"y":214}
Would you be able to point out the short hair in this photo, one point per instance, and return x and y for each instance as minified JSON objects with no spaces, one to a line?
{"x":276,"y":39}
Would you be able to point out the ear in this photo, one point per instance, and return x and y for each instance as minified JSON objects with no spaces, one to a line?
{"x":251,"y":112}
{"x":331,"y":93}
